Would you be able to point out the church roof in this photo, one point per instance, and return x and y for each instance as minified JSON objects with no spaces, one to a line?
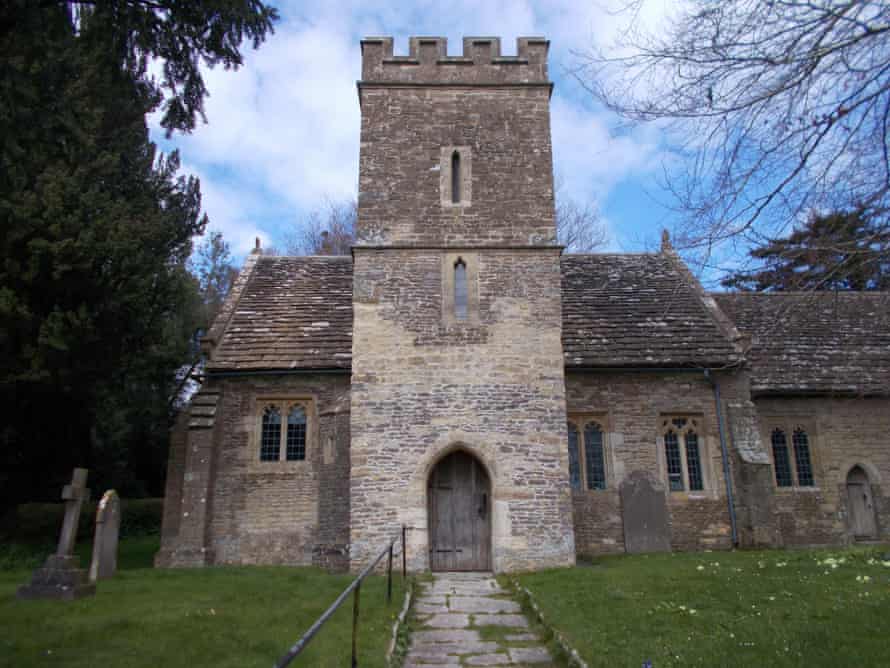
{"x":814,"y":342}
{"x":292,"y":313}
{"x":641,"y":310}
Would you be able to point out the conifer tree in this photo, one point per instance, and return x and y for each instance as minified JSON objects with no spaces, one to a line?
{"x":96,"y":301}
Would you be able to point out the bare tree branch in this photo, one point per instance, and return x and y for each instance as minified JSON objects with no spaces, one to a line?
{"x":780,"y":107}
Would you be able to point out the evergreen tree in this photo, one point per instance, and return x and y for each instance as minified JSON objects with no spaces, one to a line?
{"x":96,"y":301}
{"x":838,"y":251}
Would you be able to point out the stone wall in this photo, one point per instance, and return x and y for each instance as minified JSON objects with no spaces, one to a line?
{"x":494,"y":388}
{"x":843,"y":433}
{"x":236,"y":509}
{"x":631,"y":407}
{"x":425,"y":381}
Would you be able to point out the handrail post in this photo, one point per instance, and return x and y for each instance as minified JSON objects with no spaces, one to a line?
{"x":355,"y":605}
{"x":404,"y":556}
{"x":389,"y":577}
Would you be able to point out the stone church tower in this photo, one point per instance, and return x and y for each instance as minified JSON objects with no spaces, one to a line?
{"x":458,"y":413}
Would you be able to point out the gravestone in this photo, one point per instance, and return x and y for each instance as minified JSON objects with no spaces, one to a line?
{"x":108,"y":524}
{"x":645,"y":515}
{"x":61,"y":577}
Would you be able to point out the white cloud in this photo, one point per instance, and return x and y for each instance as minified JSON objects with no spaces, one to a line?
{"x":283,"y":132}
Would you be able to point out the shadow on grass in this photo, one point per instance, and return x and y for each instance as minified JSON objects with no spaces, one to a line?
{"x":221,"y":616}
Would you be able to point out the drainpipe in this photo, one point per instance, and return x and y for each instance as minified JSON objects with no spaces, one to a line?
{"x":724,"y":453}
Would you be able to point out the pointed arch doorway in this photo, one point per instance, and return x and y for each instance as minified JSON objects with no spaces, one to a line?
{"x":861,"y":511}
{"x":459,"y":508}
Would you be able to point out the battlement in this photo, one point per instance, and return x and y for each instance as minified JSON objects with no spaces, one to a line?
{"x":481,"y":62}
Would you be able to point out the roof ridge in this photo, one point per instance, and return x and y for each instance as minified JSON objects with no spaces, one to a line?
{"x":801,"y":293}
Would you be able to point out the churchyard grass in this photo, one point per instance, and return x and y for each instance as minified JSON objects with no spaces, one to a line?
{"x":227,"y":616}
{"x":766,"y":608}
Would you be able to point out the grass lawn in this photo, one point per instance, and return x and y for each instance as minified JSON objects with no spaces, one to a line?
{"x":765,"y":608}
{"x":245,"y":616}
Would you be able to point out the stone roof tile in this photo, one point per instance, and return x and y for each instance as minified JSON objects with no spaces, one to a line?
{"x":814,"y":342}
{"x":294,"y":313}
{"x":637,"y":311}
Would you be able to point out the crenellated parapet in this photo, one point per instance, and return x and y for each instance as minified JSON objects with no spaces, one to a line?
{"x":481,"y":62}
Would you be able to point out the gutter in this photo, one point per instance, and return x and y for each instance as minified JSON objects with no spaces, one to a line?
{"x":724,"y":455}
{"x":278,"y":372}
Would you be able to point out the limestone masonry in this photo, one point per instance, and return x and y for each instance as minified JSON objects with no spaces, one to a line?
{"x":512,"y":405}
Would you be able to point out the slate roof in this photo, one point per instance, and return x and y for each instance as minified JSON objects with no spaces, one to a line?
{"x":814,"y":342}
{"x":638,"y":311}
{"x":293,"y":313}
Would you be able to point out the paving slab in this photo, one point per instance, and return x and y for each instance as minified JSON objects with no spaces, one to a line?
{"x":482,"y":604}
{"x":530,"y":655}
{"x":446,"y":649}
{"x":446,"y":635}
{"x":515,"y":621}
{"x":487,"y":660}
{"x":450,"y":610}
{"x":453,"y":620}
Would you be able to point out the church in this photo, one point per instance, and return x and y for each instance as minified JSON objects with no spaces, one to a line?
{"x":513,"y":406}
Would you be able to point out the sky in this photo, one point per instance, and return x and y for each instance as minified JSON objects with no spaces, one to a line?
{"x":282,"y":136}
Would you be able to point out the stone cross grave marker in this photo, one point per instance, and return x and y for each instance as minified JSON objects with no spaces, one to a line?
{"x":108,"y":524}
{"x":645,"y":515}
{"x":61,"y":577}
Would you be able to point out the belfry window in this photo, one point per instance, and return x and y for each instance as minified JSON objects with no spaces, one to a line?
{"x":455,"y":178}
{"x":460,"y":290}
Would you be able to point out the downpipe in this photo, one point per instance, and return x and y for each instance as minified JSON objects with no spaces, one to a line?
{"x":724,"y":453}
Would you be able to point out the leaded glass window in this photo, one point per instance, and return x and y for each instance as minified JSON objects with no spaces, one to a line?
{"x":460,"y":290}
{"x":802,"y":458}
{"x":780,"y":458}
{"x":574,"y":457}
{"x":270,"y":435}
{"x":455,"y":178}
{"x":693,"y":462}
{"x":594,"y":456}
{"x":296,"y":434}
{"x":674,"y":464}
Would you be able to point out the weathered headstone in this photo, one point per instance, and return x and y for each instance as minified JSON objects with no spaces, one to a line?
{"x":108,"y":524}
{"x":645,"y":515}
{"x":61,"y":577}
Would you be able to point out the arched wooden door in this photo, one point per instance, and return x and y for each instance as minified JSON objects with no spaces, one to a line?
{"x":459,"y":497}
{"x":861,"y":511}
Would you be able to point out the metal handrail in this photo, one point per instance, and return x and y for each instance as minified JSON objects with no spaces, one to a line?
{"x":354,"y":586}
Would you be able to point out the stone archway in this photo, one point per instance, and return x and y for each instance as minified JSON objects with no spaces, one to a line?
{"x":459,"y":511}
{"x":860,"y":505}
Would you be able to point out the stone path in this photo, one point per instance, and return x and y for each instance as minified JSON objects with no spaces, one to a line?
{"x":466,"y":619}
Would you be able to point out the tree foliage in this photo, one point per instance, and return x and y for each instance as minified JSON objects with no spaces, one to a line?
{"x":215,"y":271}
{"x":837,"y":251}
{"x":96,"y":303}
{"x":780,"y":108}
{"x":183,"y":35}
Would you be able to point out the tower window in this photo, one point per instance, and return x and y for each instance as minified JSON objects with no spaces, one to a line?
{"x":455,"y":178}
{"x":460,"y":290}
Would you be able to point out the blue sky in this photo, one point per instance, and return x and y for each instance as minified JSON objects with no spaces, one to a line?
{"x":283,"y":131}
